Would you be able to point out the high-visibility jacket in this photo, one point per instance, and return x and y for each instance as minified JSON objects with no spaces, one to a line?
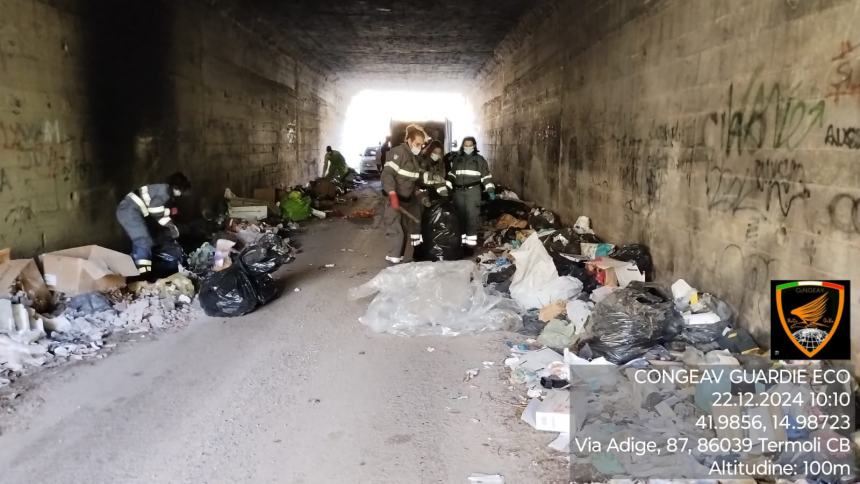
{"x":434,"y":175}
{"x":468,"y":171}
{"x":402,"y":172}
{"x":152,"y":201}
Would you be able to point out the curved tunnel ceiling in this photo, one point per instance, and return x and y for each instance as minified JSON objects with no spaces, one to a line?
{"x":394,"y":40}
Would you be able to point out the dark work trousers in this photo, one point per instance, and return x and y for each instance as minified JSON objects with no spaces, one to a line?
{"x":468,"y":204}
{"x":129,"y":217}
{"x":399,"y":230}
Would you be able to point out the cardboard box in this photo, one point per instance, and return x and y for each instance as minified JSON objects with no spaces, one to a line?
{"x":267,"y":195}
{"x":251,"y":212}
{"x":553,"y":414}
{"x":612,"y":272}
{"x":87,"y":269}
{"x":24,"y":273}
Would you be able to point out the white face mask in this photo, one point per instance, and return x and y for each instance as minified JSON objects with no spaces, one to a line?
{"x":468,"y":150}
{"x":415,"y":151}
{"x":434,"y":157}
{"x":177,"y":193}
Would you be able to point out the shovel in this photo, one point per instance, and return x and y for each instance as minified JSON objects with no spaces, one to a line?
{"x":408,"y":215}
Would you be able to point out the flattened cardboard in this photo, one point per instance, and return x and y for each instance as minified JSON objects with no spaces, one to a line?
{"x":86,"y":269}
{"x":27,"y":273}
{"x":251,"y":212}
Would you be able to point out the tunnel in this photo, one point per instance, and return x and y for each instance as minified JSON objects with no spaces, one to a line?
{"x":723,"y":135}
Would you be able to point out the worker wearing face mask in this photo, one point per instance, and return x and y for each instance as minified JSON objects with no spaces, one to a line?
{"x":149,"y":202}
{"x":468,"y":176}
{"x":401,"y":175}
{"x":434,"y":169}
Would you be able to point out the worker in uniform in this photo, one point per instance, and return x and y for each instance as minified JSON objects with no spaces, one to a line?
{"x":468,"y":177}
{"x":401,"y":174}
{"x":434,"y":172}
{"x":335,"y":164}
{"x":149,"y":202}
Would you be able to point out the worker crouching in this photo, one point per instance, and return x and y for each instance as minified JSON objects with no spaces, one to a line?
{"x":152,"y":202}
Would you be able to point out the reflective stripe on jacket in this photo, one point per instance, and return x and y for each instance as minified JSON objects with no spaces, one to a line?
{"x":402,"y":172}
{"x":152,"y":201}
{"x":470,"y":170}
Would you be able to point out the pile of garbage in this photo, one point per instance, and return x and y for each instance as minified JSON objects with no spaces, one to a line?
{"x":580,"y":292}
{"x":592,"y":316}
{"x":76,"y":303}
{"x":72,"y":310}
{"x":234,"y":285}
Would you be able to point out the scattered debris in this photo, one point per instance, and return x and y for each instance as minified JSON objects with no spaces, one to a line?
{"x":479,"y":478}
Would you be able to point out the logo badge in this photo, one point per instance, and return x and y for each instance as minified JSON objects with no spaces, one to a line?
{"x":810,"y":320}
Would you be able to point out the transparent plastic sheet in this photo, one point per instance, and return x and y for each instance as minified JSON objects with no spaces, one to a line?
{"x":435,"y":298}
{"x":628,"y":322}
{"x":536,"y":282}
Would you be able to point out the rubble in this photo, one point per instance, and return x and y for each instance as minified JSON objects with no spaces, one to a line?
{"x":590,"y":341}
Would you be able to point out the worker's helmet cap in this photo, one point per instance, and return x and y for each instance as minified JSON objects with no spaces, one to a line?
{"x":178,"y":181}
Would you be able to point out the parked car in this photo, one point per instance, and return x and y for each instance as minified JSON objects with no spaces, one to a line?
{"x":368,"y":161}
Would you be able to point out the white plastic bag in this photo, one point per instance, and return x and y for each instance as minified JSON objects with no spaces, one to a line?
{"x":536,"y":282}
{"x":434,"y":298}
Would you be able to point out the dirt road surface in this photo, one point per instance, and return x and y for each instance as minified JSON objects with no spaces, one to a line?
{"x":296,"y":392}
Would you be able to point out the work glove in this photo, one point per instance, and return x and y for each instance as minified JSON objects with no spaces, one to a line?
{"x":491,"y":194}
{"x":174,"y":231}
{"x":395,"y":201}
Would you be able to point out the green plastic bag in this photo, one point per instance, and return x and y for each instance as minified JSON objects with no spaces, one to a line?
{"x":296,"y":206}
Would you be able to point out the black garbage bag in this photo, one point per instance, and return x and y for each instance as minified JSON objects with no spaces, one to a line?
{"x":166,"y":258}
{"x":265,"y":256}
{"x":542,"y":219}
{"x":440,"y":230}
{"x":265,"y":287}
{"x":701,"y":334}
{"x":628,"y":322}
{"x":639,"y":255}
{"x":228,"y":293}
{"x":566,"y":241}
{"x":567,"y":267}
{"x":494,"y":209}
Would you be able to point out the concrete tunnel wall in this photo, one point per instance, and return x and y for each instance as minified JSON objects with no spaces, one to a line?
{"x":96,"y":99}
{"x":724,"y":135}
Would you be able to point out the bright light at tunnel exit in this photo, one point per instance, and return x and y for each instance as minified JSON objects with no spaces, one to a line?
{"x":370,"y":112}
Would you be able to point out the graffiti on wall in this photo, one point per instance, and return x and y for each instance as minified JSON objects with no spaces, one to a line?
{"x":766,"y":115}
{"x":768,"y":185}
{"x":844,"y":80}
{"x":39,"y":145}
{"x":4,"y":180}
{"x":842,"y":137}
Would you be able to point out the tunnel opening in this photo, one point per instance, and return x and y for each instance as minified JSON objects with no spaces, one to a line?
{"x":368,"y":119}
{"x":713,"y":142}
